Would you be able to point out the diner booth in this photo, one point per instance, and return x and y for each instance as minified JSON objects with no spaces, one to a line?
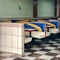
{"x":34,"y":30}
{"x":15,"y":36}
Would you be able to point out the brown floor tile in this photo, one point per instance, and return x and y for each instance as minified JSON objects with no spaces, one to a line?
{"x":51,"y":54}
{"x":58,"y":58}
{"x":53,"y":46}
{"x":59,"y":49}
{"x":47,"y":50}
{"x":34,"y":55}
{"x":30,"y":51}
{"x":42,"y":47}
{"x":19,"y":59}
{"x":1,"y":57}
{"x":39,"y":59}
{"x":2,"y":52}
{"x":15,"y":56}
{"x":55,"y":58}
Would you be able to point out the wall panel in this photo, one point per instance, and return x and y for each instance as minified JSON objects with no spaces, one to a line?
{"x":45,"y":8}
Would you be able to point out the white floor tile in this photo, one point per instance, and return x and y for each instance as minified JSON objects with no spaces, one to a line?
{"x":29,"y":58}
{"x":58,"y":47}
{"x":7,"y":54}
{"x":36,"y":48}
{"x":57,"y":44}
{"x":27,"y":53}
{"x":8,"y":59}
{"x":46,"y":57}
{"x":58,"y":56}
{"x":52,"y":42}
{"x":50,"y":48}
{"x":45,"y":44}
{"x":58,"y":39}
{"x":55,"y":51}
{"x":40,"y":52}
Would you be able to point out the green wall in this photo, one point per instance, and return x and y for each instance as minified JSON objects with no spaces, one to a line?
{"x":10,"y":8}
{"x":45,"y":8}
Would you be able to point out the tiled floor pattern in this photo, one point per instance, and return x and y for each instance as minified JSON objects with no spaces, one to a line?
{"x":47,"y":51}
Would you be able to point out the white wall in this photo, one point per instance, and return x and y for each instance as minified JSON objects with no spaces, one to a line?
{"x":45,"y":8}
{"x":9,"y":8}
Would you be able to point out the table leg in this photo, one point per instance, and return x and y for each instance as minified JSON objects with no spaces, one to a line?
{"x":47,"y":29}
{"x":30,"y":33}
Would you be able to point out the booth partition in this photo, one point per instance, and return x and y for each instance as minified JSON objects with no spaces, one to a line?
{"x":12,"y":38}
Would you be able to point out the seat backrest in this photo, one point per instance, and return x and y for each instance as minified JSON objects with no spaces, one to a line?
{"x":39,"y":34}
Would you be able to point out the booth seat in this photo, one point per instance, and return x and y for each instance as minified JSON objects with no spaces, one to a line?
{"x":27,"y":40}
{"x":54,"y":33}
{"x":26,"y":33}
{"x":36,"y":37}
{"x":42,"y":36}
{"x":36,"y":34}
{"x":53,"y":30}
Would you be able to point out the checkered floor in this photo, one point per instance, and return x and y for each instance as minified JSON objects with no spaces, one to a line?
{"x":44,"y":51}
